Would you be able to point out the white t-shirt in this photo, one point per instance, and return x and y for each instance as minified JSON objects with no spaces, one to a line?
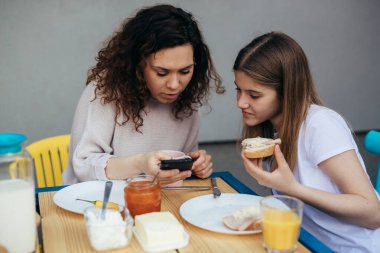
{"x":325,"y":134}
{"x":95,"y":137}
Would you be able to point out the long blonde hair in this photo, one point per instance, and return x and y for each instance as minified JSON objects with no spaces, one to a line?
{"x":276,"y":60}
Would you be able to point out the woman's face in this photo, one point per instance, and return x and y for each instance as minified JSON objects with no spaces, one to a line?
{"x":168,"y":72}
{"x":257,"y":102}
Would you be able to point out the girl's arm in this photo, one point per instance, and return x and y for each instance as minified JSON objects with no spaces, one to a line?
{"x":357,"y":204}
{"x":91,"y":150}
{"x":149,"y":163}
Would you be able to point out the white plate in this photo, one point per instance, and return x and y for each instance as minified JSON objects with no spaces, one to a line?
{"x":90,"y":190}
{"x":165,"y":247}
{"x":207,"y":212}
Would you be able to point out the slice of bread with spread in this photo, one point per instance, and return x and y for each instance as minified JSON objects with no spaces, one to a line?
{"x":259,"y":147}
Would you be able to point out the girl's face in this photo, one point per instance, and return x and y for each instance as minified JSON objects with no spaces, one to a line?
{"x":168,"y":72}
{"x":257,"y":102}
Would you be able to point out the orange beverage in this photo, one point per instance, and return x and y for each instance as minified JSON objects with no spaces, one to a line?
{"x":281,"y":220}
{"x":141,"y":195}
{"x":280,"y":229}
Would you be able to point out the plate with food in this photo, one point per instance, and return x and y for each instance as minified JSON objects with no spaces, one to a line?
{"x":77,"y":197}
{"x":231,"y":213}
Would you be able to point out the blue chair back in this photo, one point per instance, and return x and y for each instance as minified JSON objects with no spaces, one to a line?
{"x":372,"y":144}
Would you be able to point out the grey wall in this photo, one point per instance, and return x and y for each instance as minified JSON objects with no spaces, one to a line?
{"x":47,"y":46}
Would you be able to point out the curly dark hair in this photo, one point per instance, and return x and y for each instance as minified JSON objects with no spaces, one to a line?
{"x":118,"y":72}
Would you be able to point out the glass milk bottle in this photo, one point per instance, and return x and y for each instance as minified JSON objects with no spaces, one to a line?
{"x":18,"y":229}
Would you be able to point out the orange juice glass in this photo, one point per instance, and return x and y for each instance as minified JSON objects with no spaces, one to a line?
{"x":281,"y":219}
{"x":142,"y":195}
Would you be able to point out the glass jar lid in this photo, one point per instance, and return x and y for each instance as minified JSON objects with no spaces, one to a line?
{"x":10,"y":143}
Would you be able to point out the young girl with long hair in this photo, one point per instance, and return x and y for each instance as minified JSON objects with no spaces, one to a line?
{"x":318,"y":160}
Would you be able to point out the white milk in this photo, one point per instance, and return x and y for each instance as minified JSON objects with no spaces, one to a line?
{"x":17,"y":216}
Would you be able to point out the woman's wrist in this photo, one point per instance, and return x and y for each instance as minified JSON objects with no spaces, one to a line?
{"x":124,"y":167}
{"x":296,"y":190}
{"x":139,"y":161}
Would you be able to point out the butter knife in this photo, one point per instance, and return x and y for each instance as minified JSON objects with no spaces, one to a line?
{"x":197,"y":188}
{"x":215,"y":188}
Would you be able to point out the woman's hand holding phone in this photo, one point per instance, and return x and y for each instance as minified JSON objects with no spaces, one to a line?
{"x":202,"y":166}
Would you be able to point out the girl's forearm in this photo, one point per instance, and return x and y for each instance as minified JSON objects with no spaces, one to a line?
{"x":124,"y":167}
{"x":353,"y":208}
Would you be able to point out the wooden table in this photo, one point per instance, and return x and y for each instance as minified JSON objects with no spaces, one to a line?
{"x":64,"y":231}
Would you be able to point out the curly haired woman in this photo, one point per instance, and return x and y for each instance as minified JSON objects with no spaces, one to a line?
{"x":142,"y":97}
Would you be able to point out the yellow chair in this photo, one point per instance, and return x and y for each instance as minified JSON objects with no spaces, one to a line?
{"x":50,"y":157}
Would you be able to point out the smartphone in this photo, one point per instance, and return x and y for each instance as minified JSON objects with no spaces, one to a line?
{"x":180,"y":164}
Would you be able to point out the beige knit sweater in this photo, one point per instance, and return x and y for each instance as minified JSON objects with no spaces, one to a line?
{"x":95,"y":137}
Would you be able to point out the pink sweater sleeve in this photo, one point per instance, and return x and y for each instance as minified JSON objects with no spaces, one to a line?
{"x":91,"y":136}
